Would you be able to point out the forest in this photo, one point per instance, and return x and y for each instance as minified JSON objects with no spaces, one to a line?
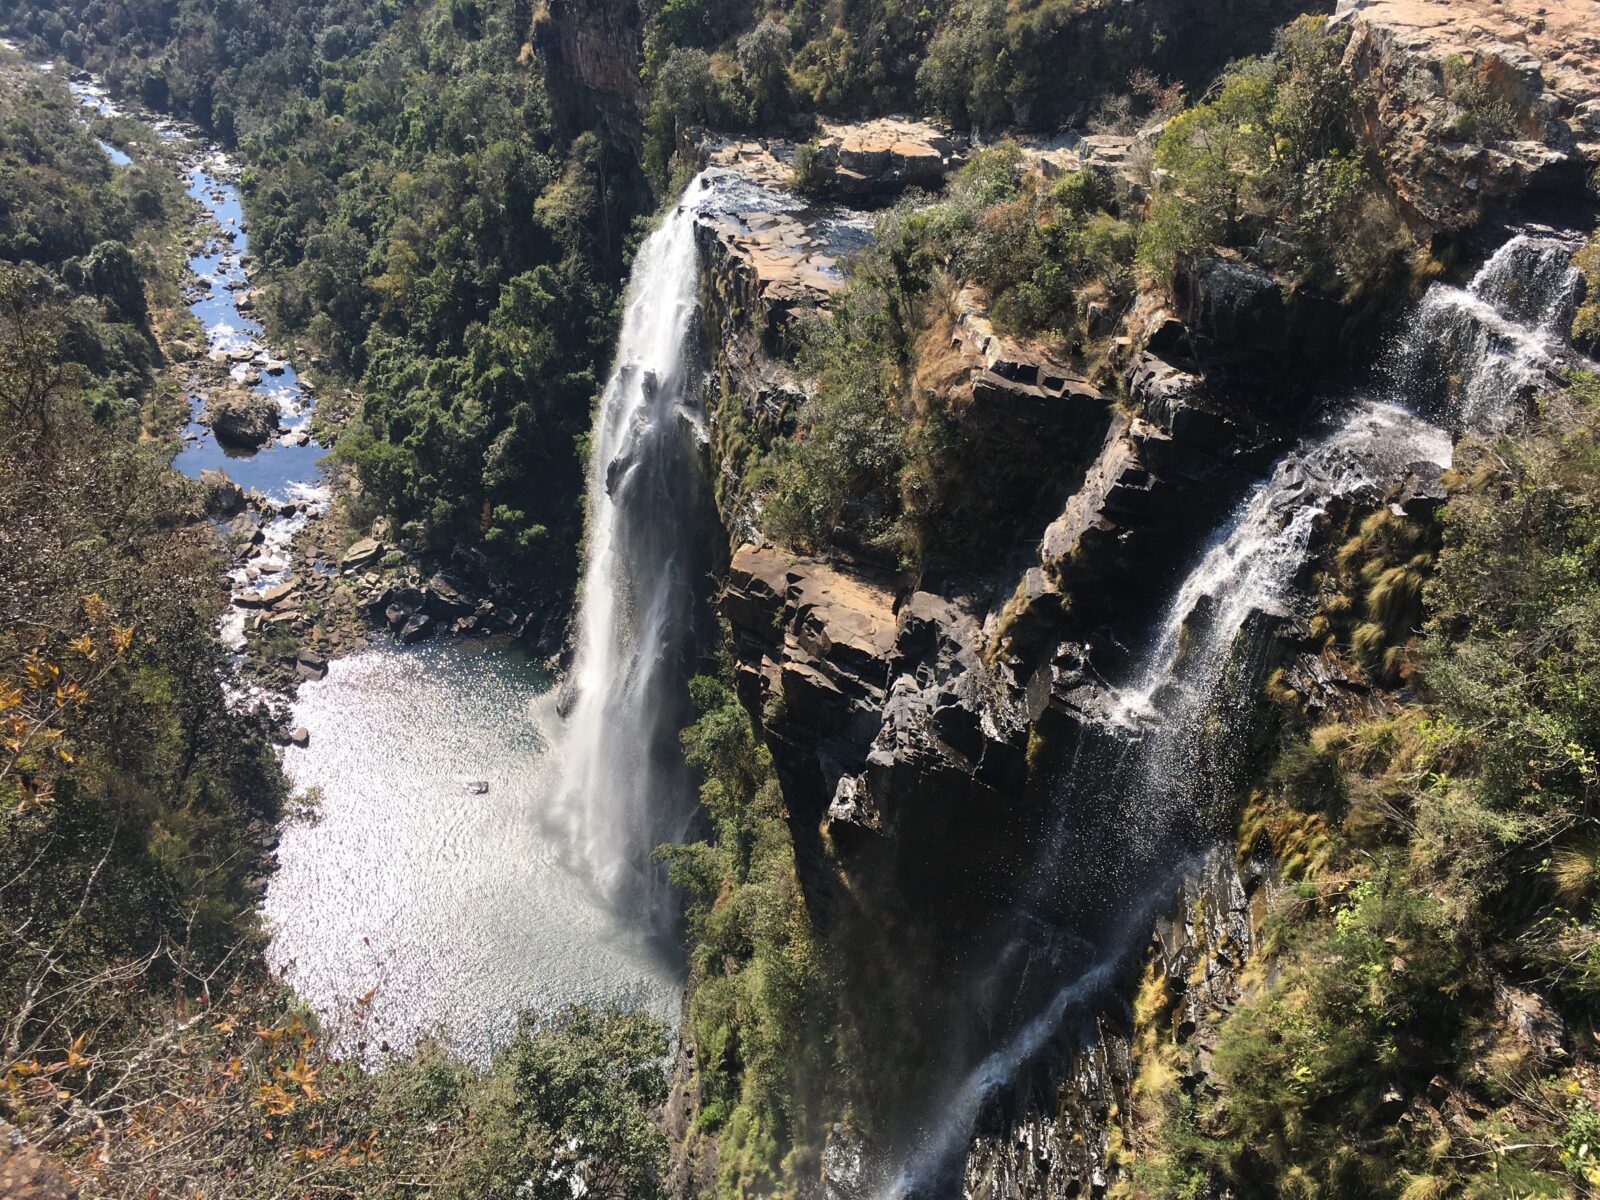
{"x":446,"y":199}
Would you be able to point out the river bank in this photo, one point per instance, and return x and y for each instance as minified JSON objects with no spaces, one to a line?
{"x":426,"y":870}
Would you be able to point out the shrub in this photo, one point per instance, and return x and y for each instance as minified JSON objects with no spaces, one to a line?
{"x":1480,"y":115}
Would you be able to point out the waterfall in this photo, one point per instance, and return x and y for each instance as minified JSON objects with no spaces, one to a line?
{"x":1171,"y":747}
{"x":624,"y":787}
{"x":1251,"y":566}
{"x":1471,"y":355}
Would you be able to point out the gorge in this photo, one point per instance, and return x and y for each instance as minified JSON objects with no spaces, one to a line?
{"x":829,"y":656}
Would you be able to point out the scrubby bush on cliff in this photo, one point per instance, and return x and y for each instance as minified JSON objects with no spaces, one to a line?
{"x":1586,"y":322}
{"x":871,"y":465}
{"x":757,"y":1008}
{"x":963,"y":77}
{"x":837,"y":478}
{"x":1272,"y":152}
{"x":684,"y":94}
{"x":1435,"y":856}
{"x":1480,"y":115}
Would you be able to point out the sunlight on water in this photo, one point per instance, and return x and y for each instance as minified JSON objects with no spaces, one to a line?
{"x":457,"y":906}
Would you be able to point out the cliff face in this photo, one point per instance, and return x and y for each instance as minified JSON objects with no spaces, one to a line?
{"x":590,"y":53}
{"x":1474,"y":103}
{"x":913,"y":720}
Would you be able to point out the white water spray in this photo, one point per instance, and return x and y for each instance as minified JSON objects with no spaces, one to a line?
{"x":624,"y":788}
{"x":1469,"y":355}
{"x":1250,"y":568}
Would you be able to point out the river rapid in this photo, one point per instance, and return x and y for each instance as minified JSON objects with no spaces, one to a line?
{"x":425,"y":886}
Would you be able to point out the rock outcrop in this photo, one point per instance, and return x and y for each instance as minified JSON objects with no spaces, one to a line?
{"x":1472,"y":103}
{"x":812,"y":646}
{"x":852,"y":162}
{"x":590,"y":53}
{"x":1065,"y":1142}
{"x":768,"y":266}
{"x":242,"y":420}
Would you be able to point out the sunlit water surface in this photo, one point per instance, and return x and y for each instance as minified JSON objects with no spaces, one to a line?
{"x":457,"y":907}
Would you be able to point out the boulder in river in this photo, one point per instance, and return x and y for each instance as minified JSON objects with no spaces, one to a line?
{"x":300,"y":736}
{"x":445,"y":599}
{"x":242,"y":420}
{"x":416,"y":629}
{"x":223,"y":497}
{"x":308,"y":664}
{"x":275,"y":594}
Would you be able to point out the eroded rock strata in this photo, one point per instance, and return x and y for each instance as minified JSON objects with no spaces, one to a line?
{"x":905,"y":714}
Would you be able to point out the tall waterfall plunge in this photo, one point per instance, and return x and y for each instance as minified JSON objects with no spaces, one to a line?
{"x":1137,"y":797}
{"x":624,"y":786}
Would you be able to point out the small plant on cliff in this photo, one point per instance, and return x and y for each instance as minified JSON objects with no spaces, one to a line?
{"x":812,"y":171}
{"x":1586,"y":322}
{"x":1479,"y":114}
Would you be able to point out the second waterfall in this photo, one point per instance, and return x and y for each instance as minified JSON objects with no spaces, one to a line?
{"x":624,"y":788}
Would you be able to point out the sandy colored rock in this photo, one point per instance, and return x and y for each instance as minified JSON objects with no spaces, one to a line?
{"x":1541,"y":58}
{"x":29,"y":1174}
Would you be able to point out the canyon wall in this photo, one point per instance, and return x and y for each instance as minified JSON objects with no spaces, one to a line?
{"x":912,"y":719}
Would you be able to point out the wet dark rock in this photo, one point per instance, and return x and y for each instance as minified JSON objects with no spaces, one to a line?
{"x":846,"y":1174}
{"x":1057,"y":1141}
{"x":242,"y":420}
{"x":416,"y":629}
{"x":446,"y":600}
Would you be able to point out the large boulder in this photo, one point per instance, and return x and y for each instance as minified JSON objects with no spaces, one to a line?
{"x":242,"y":420}
{"x":360,"y":554}
{"x":223,"y":497}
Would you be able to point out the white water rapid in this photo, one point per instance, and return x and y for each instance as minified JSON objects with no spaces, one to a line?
{"x":1471,"y":355}
{"x":1467,"y":359}
{"x":624,"y":787}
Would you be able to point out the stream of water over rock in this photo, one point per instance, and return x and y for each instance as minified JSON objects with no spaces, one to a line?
{"x":625,"y":788}
{"x":1159,"y":774}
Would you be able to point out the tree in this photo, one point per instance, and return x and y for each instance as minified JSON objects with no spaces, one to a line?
{"x":764,"y":69}
{"x":33,"y":377}
{"x":962,"y":78}
{"x":573,"y":1116}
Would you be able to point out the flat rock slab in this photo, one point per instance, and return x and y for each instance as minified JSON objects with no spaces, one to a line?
{"x":271,"y":596}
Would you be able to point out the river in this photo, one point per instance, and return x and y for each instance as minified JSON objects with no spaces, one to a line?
{"x":427,"y":888}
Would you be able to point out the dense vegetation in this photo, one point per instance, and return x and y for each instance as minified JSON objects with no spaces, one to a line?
{"x":883,"y":448}
{"x":452,"y":238}
{"x":1440,"y":870}
{"x":1266,"y":168}
{"x":141,"y":1036}
{"x":1274,"y":151}
{"x":761,"y":1004}
{"x":430,"y":224}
